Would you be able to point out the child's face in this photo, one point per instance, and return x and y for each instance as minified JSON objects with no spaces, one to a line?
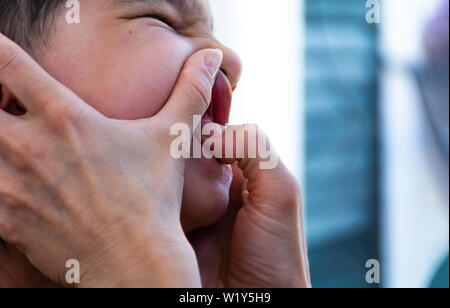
{"x":125,"y":65}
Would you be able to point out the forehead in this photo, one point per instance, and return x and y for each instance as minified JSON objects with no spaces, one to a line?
{"x":192,"y":7}
{"x":181,"y":4}
{"x":194,"y":10}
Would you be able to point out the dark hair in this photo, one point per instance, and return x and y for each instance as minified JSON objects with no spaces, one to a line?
{"x":28,"y":22}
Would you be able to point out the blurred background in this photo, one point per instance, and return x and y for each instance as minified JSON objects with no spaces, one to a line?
{"x":354,"y":94}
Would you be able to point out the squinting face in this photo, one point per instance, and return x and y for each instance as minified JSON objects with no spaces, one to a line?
{"x":124,"y":59}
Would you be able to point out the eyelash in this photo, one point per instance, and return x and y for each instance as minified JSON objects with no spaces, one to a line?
{"x":163,"y":19}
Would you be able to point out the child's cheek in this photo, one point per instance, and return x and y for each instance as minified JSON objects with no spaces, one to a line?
{"x":142,"y":76}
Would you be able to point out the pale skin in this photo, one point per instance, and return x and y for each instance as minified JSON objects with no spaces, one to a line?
{"x":64,"y":185}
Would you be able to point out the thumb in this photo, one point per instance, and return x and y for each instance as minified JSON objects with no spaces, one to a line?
{"x":192,"y":93}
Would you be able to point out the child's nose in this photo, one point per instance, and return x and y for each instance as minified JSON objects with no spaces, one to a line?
{"x":231,"y":65}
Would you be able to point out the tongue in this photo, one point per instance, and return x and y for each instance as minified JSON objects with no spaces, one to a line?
{"x":219,"y":108}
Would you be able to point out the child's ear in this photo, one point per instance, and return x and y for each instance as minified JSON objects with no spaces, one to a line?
{"x":9,"y":103}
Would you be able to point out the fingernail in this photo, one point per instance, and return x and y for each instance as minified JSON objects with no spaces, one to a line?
{"x":213,"y":61}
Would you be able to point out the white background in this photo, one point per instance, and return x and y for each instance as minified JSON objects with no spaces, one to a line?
{"x":268,"y":37}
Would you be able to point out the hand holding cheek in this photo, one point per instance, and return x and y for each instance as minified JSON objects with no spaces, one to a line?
{"x":76,"y":185}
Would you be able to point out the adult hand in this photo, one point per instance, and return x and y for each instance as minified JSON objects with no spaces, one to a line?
{"x":76,"y":185}
{"x":17,"y":272}
{"x":261,"y":240}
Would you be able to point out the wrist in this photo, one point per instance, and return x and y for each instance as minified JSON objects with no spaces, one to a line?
{"x":170,"y":263}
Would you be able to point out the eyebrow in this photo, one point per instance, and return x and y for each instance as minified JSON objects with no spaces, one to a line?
{"x":189,"y":8}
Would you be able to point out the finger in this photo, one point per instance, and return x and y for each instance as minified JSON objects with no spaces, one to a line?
{"x":29,"y":83}
{"x":270,"y":186}
{"x":249,"y":147}
{"x":192,"y":93}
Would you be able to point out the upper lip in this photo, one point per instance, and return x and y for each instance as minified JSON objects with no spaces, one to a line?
{"x":220,"y":106}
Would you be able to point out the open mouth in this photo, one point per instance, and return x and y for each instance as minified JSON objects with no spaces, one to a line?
{"x":219,"y":109}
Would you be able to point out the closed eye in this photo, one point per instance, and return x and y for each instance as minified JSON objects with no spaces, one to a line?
{"x":164,"y":19}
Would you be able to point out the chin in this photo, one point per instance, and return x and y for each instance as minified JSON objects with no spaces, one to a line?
{"x":206,"y":193}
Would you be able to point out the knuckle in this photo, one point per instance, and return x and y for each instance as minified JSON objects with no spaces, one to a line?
{"x":199,"y":90}
{"x":252,"y":134}
{"x":24,"y":157}
{"x":6,"y":200}
{"x":253,"y":128}
{"x":63,"y":117}
{"x":8,"y":231}
{"x":9,"y":58}
{"x":259,"y":131}
{"x":250,"y":128}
